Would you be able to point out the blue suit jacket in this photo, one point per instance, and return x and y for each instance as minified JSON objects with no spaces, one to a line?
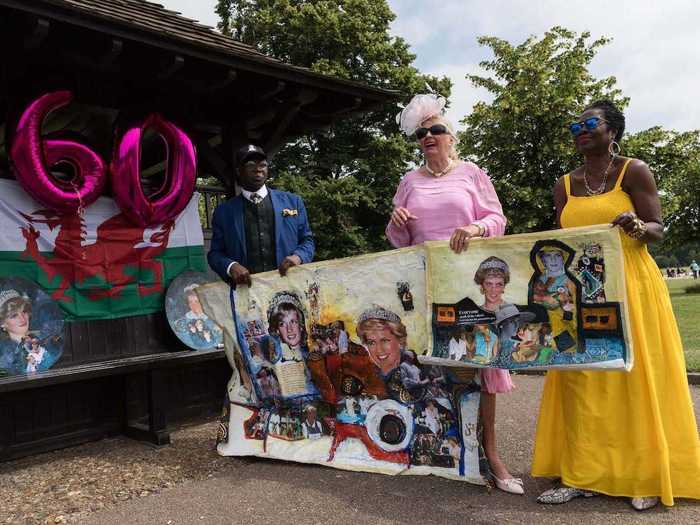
{"x":292,"y":232}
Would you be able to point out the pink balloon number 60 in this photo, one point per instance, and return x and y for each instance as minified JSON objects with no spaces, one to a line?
{"x":180,"y":174}
{"x":33,"y":156}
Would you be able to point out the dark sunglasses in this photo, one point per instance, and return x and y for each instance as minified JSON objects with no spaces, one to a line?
{"x":590,"y":124}
{"x":255,"y":164}
{"x":435,"y":129}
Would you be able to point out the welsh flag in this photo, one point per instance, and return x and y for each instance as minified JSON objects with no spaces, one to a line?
{"x":98,"y":265}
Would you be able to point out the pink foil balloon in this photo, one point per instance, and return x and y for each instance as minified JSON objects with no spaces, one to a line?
{"x":33,"y":156}
{"x":180,"y":177}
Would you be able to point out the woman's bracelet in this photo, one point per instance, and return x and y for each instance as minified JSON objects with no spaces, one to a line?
{"x":639,"y":229}
{"x":481,"y":227}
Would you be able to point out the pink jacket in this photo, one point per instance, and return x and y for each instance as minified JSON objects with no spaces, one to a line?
{"x":462,"y":197}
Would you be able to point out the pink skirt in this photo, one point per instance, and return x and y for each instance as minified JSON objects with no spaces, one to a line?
{"x":496,"y":381}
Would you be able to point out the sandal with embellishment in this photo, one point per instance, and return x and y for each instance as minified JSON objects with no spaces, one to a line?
{"x":644,"y":503}
{"x":562,"y":495}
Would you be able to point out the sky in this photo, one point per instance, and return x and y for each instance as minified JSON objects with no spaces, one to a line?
{"x":654,"y":54}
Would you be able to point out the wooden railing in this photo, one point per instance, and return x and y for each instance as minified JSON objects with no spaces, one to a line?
{"x":212,"y":196}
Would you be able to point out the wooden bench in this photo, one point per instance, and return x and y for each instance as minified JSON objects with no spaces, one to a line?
{"x":155,"y":370}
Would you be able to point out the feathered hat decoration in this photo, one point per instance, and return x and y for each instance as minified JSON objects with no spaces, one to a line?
{"x":418,"y":110}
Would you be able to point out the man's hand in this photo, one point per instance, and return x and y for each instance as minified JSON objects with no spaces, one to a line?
{"x":239,"y":274}
{"x":288,"y":262}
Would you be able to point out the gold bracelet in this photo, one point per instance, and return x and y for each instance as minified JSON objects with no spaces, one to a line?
{"x":481,"y":227}
{"x":639,"y":230}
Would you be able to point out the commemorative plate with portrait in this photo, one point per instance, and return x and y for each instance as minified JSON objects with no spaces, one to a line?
{"x":31,"y":328}
{"x":185,"y":315}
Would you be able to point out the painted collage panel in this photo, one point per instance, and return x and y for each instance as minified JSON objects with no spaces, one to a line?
{"x":546,"y":300}
{"x":326,"y":371}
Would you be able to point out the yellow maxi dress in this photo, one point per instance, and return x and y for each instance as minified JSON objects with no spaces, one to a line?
{"x":624,"y":434}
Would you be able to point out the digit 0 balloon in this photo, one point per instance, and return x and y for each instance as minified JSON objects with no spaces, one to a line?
{"x":180,"y":177}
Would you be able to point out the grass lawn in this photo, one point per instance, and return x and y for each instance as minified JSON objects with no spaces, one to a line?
{"x":687,"y":309}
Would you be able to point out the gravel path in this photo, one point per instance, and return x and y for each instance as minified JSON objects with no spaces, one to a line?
{"x":122,"y":481}
{"x":63,"y":486}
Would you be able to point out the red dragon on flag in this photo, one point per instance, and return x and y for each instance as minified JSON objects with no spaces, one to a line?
{"x":119,"y":245}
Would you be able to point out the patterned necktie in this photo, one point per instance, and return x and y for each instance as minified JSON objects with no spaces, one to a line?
{"x":255,"y":198}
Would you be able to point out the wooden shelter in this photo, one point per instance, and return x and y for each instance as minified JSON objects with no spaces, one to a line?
{"x":123,"y":59}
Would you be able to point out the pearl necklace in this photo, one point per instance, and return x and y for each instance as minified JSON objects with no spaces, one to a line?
{"x":600,"y":189}
{"x":439,"y":173}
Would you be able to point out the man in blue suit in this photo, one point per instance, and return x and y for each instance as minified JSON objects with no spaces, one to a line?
{"x":260,"y":229}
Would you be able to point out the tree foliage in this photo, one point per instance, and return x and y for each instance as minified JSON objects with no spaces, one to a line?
{"x":673,"y":256}
{"x":348,"y":175}
{"x":520,"y":138}
{"x":674,"y":158}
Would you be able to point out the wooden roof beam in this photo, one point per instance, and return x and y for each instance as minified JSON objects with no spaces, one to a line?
{"x":215,"y":162}
{"x":116,"y":46}
{"x":356,"y":104}
{"x":231,"y":75}
{"x":260,"y":120}
{"x":39,"y":33}
{"x":281,"y":85}
{"x":207,"y":88}
{"x":106,"y":62}
{"x":304,"y":98}
{"x":171,"y":66}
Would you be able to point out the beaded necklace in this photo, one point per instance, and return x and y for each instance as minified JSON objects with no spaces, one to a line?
{"x":439,"y":173}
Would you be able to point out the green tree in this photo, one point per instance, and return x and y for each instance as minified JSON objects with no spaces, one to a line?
{"x":520,"y":138}
{"x":674,"y":158}
{"x":348,"y":175}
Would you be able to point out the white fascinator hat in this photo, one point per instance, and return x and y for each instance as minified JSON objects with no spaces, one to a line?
{"x":420,"y":109}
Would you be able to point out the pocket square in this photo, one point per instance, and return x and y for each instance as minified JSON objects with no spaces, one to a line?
{"x":289,"y":213}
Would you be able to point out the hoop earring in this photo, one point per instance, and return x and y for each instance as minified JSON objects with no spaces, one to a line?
{"x":614,"y":149}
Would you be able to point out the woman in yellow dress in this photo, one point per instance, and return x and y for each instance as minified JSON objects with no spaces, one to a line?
{"x":622,"y":434}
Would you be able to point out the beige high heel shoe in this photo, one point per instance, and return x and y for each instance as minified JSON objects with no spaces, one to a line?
{"x":510,"y":485}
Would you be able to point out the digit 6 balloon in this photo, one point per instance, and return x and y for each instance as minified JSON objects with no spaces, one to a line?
{"x":33,"y":157}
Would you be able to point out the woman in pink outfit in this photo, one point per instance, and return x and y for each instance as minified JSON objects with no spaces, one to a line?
{"x":447,"y":198}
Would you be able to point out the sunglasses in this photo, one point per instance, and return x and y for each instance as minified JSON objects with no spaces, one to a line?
{"x":435,"y":129}
{"x":255,"y":164}
{"x":590,"y":124}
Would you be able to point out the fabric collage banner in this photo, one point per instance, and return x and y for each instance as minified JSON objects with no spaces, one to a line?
{"x":98,"y":265}
{"x":536,"y":301}
{"x":369,"y":363}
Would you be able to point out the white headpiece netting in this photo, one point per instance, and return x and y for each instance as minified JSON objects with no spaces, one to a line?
{"x":418,"y":110}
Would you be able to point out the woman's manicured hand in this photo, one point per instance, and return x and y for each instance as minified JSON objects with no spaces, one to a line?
{"x":626,"y":221}
{"x":401,"y":216}
{"x":460,"y":237}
